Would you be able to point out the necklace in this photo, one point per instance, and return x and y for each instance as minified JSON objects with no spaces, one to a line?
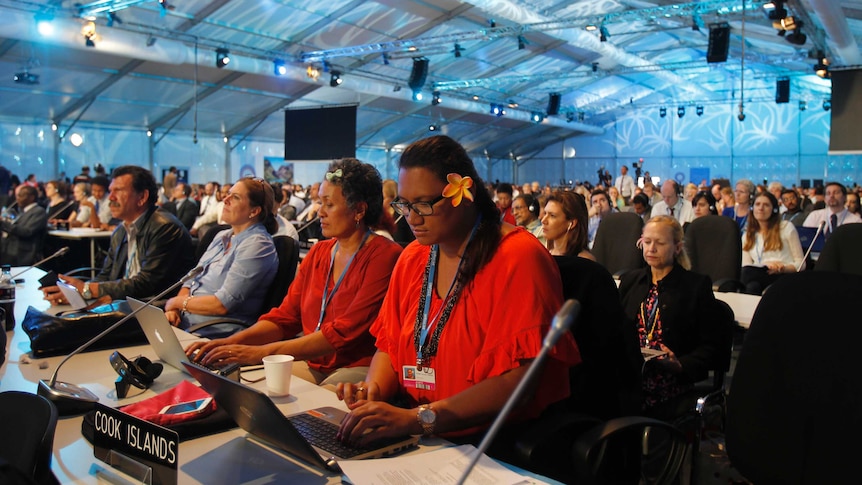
{"x":425,"y":349}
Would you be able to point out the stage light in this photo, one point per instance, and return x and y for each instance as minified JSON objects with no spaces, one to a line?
{"x":604,"y":35}
{"x":537,"y":116}
{"x":595,"y":66}
{"x":149,"y":133}
{"x":796,"y":37}
{"x":150,"y":41}
{"x":513,"y":104}
{"x":822,"y":67}
{"x":497,"y":109}
{"x":435,"y":98}
{"x":591,"y":27}
{"x":522,"y":43}
{"x":417,"y":96}
{"x":570,"y":116}
{"x":433,"y":127}
{"x":89,"y":33}
{"x":385,"y":57}
{"x":44,"y":24}
{"x":581,"y":116}
{"x":335,"y":80}
{"x":312,"y":72}
{"x":698,"y":110}
{"x":26,"y":77}
{"x":827,"y":104}
{"x":457,"y":50}
{"x":680,"y":112}
{"x":222,"y":57}
{"x":662,"y":112}
{"x":492,"y":23}
{"x":803,"y":105}
{"x":279,"y":68}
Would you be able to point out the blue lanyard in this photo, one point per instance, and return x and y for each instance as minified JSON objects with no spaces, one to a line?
{"x":327,"y":297}
{"x":425,"y":326}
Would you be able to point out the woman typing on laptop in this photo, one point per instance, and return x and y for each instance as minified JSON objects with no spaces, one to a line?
{"x":336,"y":294}
{"x":237,"y":264}
{"x":454,"y":337}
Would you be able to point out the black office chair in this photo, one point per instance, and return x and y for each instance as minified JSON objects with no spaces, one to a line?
{"x":206,"y":234}
{"x":28,"y":422}
{"x":288,"y":258}
{"x":794,"y":410}
{"x":714,"y":246}
{"x":842,"y":251}
{"x":615,"y":244}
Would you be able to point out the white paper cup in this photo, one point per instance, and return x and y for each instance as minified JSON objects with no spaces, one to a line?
{"x":277,"y":369}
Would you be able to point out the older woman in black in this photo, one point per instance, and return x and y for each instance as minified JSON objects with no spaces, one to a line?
{"x":676,"y":313}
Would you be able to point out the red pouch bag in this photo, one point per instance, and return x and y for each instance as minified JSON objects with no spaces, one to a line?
{"x":185,"y":391}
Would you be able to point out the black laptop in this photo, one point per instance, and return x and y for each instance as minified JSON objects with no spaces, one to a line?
{"x":309,"y":435}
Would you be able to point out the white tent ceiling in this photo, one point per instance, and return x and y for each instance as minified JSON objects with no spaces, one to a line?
{"x":154,"y":68}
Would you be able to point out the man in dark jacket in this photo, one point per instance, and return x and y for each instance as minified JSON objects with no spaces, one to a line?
{"x":25,"y":234}
{"x":180,"y":205}
{"x":150,"y":250}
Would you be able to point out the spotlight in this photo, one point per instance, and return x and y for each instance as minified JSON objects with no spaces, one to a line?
{"x":522,"y":43}
{"x":385,"y":57}
{"x":44,"y":23}
{"x":796,"y":37}
{"x":492,"y":23}
{"x":591,"y":27}
{"x":775,"y":10}
{"x":222,"y":57}
{"x":457,"y":50}
{"x":150,"y":41}
{"x":604,"y":35}
{"x":26,"y":77}
{"x":335,"y":80}
{"x":595,"y":66}
{"x":570,"y":116}
{"x":513,"y":104}
{"x":89,"y":33}
{"x":698,"y":110}
{"x":433,"y":127}
{"x":827,"y":104}
{"x":680,"y":112}
{"x":822,"y":67}
{"x":741,"y":115}
{"x":662,"y":112}
{"x":537,"y":117}
{"x":417,"y":96}
{"x":278,"y":67}
{"x":435,"y":98}
{"x":802,"y":105}
{"x":497,"y":109}
{"x":581,"y":115}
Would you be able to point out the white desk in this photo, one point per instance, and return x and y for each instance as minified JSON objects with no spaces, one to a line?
{"x":743,"y":306}
{"x":79,"y":234}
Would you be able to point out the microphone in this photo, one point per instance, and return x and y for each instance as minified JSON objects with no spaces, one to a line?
{"x":59,"y":253}
{"x":68,"y":204}
{"x":811,"y":246}
{"x":560,"y":325}
{"x":71,"y":399}
{"x":308,"y":224}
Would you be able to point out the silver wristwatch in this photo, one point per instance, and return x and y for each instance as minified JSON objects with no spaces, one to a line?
{"x":427,"y":419}
{"x":86,"y":293}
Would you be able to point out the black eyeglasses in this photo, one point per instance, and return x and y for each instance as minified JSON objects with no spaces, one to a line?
{"x":423,"y":208}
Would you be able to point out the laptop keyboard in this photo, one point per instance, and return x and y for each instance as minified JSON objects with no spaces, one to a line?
{"x":321,"y":434}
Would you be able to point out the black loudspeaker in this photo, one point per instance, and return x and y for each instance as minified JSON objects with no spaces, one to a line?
{"x":719,"y":41}
{"x":418,"y":74}
{"x":554,"y":104}
{"x":782,"y":90}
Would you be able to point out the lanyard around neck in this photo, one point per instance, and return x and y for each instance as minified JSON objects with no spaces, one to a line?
{"x":327,"y":297}
{"x":427,"y":289}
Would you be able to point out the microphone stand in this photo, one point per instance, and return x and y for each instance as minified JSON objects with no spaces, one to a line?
{"x":562,"y":321}
{"x":59,"y":253}
{"x":308,"y":224}
{"x":811,"y":246}
{"x":71,"y":399}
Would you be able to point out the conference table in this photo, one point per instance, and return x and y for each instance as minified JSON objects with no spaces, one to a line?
{"x":227,"y":457}
{"x":84,"y":234}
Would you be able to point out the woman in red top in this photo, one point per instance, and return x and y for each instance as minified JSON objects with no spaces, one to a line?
{"x":336,"y":294}
{"x":454,"y":337}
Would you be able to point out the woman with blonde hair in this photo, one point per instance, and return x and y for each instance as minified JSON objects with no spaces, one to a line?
{"x":616,"y":199}
{"x":676,"y":315}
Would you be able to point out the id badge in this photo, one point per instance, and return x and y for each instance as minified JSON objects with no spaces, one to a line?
{"x":424,"y":379}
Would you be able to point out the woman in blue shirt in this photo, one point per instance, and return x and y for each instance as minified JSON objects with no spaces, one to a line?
{"x":239,"y":264}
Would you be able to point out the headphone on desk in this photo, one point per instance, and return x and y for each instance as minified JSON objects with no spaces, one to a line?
{"x":139,"y":372}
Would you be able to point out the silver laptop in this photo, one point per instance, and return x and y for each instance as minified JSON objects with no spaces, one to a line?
{"x":160,"y":334}
{"x":309,"y":435}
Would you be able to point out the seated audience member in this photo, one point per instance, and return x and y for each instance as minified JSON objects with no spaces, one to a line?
{"x":641,"y":206}
{"x":726,"y":199}
{"x":703,"y":204}
{"x":239,"y":264}
{"x":180,"y":205}
{"x":526,"y":211}
{"x":565,"y":225}
{"x":770,"y":246}
{"x":284,"y":226}
{"x":84,"y":208}
{"x":617,"y":201}
{"x":452,"y":342}
{"x":101,"y":217}
{"x":600,"y":206}
{"x":673,"y":204}
{"x":674,"y":311}
{"x":793,"y":213}
{"x":853,"y":203}
{"x":504,"y":202}
{"x":776,"y":189}
{"x":336,"y":294}
{"x":743,"y":195}
{"x":403,"y":234}
{"x":715,"y":190}
{"x":25,"y":234}
{"x":149,"y":251}
{"x":650,"y":191}
{"x":689,"y":191}
{"x":59,"y":207}
{"x":208,"y":209}
{"x":835,"y":213}
{"x":818,"y":198}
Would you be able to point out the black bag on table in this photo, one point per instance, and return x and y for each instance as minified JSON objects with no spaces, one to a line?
{"x":52,"y":335}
